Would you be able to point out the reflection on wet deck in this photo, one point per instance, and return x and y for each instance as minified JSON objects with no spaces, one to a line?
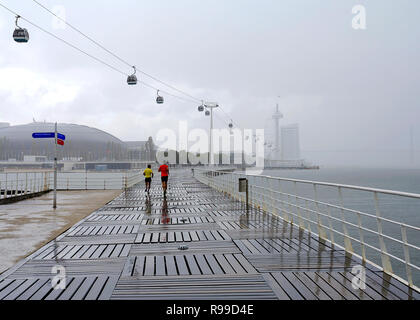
{"x":195,"y":244}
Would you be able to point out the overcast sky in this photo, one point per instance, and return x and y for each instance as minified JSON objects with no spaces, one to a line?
{"x":354,"y":93}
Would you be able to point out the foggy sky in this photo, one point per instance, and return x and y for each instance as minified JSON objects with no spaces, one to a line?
{"x":354,"y":93}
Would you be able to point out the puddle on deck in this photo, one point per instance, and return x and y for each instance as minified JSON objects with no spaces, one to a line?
{"x":25,"y":226}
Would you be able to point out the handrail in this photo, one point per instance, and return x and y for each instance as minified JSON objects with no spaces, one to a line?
{"x":267,"y":194}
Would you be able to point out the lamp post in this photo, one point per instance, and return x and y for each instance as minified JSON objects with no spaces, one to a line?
{"x":211,"y":106}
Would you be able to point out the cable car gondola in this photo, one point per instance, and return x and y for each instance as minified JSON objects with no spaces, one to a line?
{"x":132,"y":80}
{"x":20,"y":34}
{"x":230,"y":125}
{"x":201,"y":108}
{"x":159,"y":99}
{"x":207,"y":113}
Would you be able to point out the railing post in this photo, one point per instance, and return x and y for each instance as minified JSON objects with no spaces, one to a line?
{"x":321,"y":231}
{"x":300,"y":220}
{"x":5,"y":189}
{"x":308,"y":216}
{"x":386,"y":263}
{"x":347,"y":243}
{"x":272,"y":196}
{"x":330,"y":225}
{"x":406,"y":255}
{"x":285,"y":215}
{"x":17,"y":184}
{"x":362,"y":240}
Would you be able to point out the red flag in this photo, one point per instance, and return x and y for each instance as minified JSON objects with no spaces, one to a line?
{"x":60,"y":142}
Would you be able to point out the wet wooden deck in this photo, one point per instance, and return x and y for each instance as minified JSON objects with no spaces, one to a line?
{"x":130,"y":249}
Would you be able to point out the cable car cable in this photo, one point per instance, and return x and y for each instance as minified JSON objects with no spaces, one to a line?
{"x":113,"y":54}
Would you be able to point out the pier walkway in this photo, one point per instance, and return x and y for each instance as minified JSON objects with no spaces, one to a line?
{"x":198,"y":244}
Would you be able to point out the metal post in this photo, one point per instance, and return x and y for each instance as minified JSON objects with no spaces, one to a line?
{"x":5,"y":188}
{"x":406,"y":255}
{"x":386,"y":263}
{"x":211,"y":157}
{"x":247,"y":200}
{"x":300,"y":220}
{"x":321,"y":231}
{"x":347,"y":242}
{"x":55,"y":168}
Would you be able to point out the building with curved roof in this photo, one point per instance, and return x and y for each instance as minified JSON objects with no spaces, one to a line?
{"x":82,"y":142}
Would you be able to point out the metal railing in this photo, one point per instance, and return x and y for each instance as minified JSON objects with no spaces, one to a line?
{"x":357,"y":219}
{"x":15,"y":184}
{"x":18,"y":184}
{"x":97,"y":181}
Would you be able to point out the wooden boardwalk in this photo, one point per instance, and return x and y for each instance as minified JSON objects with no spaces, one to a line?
{"x":199,"y":244}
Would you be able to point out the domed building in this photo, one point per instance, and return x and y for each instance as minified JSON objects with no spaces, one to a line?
{"x":82,"y":142}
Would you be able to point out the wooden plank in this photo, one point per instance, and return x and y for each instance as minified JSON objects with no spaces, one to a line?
{"x":398,"y":288}
{"x":83,"y":289}
{"x":126,"y":250}
{"x":245,"y":263}
{"x":20,"y":290}
{"x":12,"y":286}
{"x":346,"y":283}
{"x":147,"y":237}
{"x":170,"y":266}
{"x":244,"y":249}
{"x":214,"y":265}
{"x":186,"y":236}
{"x":192,"y":265}
{"x":108,"y":251}
{"x":299,"y":286}
{"x":139,"y":266}
{"x":171,"y":237}
{"x":89,"y":252}
{"x":108,"y":289}
{"x":282,"y":281}
{"x":178,"y":237}
{"x":317,"y":286}
{"x":117,"y":251}
{"x":129,"y":265}
{"x":160,"y":266}
{"x":98,"y":252}
{"x":194,"y":236}
{"x":202,"y":263}
{"x":235,"y":264}
{"x":250,"y":247}
{"x":277,"y":289}
{"x":150,"y":266}
{"x":369,"y":291}
{"x":331,"y":286}
{"x":182,"y":266}
{"x":43,"y":291}
{"x":72,"y":252}
{"x":96,"y":289}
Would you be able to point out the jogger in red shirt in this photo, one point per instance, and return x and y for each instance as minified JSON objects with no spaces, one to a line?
{"x":164,"y":170}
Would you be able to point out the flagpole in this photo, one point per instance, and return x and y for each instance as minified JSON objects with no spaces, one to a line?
{"x":55,"y":168}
